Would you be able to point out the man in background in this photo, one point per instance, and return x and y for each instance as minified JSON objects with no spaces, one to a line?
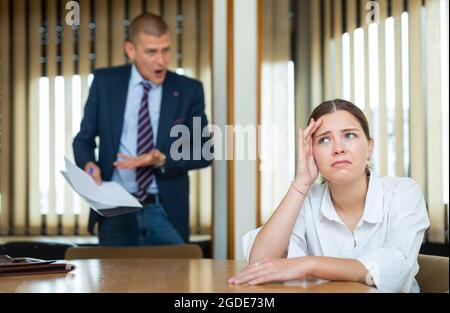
{"x":132,"y":109}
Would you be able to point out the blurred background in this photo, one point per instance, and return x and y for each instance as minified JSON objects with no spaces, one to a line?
{"x":262,"y":62}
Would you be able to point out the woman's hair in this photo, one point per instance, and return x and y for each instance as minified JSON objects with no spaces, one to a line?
{"x":343,"y":105}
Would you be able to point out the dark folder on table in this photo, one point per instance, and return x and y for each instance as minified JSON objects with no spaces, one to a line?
{"x":30,"y":266}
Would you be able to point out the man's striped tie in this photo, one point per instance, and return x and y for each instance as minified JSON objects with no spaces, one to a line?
{"x":144,"y":175}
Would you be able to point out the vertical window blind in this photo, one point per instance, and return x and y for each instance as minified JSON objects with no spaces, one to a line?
{"x":277,"y":114}
{"x":46,"y":69}
{"x":389,"y":57}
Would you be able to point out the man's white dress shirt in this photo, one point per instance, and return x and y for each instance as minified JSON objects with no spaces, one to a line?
{"x":128,"y":139}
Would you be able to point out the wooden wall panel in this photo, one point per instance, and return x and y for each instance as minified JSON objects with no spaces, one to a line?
{"x":5,"y":118}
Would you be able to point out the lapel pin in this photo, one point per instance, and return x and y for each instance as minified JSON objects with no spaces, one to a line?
{"x":175,"y":93}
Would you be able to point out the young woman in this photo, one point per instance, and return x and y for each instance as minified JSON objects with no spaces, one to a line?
{"x":356,"y":226}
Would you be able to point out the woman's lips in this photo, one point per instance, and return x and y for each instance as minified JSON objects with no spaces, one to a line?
{"x":341,"y":163}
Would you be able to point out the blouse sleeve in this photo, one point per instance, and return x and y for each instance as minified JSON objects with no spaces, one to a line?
{"x":297,"y":243}
{"x":394,"y":266}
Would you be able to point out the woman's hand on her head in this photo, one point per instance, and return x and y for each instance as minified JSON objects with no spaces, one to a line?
{"x":273,"y":270}
{"x":307,"y":171}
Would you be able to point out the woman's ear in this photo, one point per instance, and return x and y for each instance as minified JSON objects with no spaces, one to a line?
{"x":371,"y":147}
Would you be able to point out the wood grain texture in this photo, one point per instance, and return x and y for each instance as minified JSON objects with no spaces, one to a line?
{"x":161,"y":275}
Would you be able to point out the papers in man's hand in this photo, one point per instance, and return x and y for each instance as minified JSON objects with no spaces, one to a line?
{"x":108,"y":199}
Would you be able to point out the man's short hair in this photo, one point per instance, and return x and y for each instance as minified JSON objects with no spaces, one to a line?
{"x":148,"y":23}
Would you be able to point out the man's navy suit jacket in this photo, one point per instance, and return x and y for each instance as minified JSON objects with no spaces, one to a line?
{"x":104,"y":112}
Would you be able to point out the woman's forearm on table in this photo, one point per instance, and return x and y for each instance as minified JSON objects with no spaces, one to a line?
{"x":337,"y":269}
{"x":273,"y":238}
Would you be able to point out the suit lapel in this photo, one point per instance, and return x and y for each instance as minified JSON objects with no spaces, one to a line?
{"x":169,"y":106}
{"x":119,"y":92}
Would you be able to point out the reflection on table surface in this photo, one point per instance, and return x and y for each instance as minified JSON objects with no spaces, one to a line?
{"x":161,"y":275}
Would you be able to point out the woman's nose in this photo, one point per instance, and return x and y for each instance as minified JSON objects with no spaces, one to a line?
{"x":338,"y":148}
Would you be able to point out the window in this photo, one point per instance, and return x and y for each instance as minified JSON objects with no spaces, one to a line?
{"x":50,"y":80}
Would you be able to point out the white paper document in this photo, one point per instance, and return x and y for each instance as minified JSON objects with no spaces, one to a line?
{"x":108,"y":199}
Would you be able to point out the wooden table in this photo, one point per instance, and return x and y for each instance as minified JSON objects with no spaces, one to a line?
{"x":160,"y":275}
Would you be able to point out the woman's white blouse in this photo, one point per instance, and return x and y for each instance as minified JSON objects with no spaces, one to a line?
{"x":386,"y":240}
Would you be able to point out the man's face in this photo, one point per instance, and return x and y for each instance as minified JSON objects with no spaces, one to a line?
{"x":151,"y":56}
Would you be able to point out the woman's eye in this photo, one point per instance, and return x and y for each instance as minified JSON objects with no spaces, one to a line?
{"x":350,"y":135}
{"x":323,"y":140}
